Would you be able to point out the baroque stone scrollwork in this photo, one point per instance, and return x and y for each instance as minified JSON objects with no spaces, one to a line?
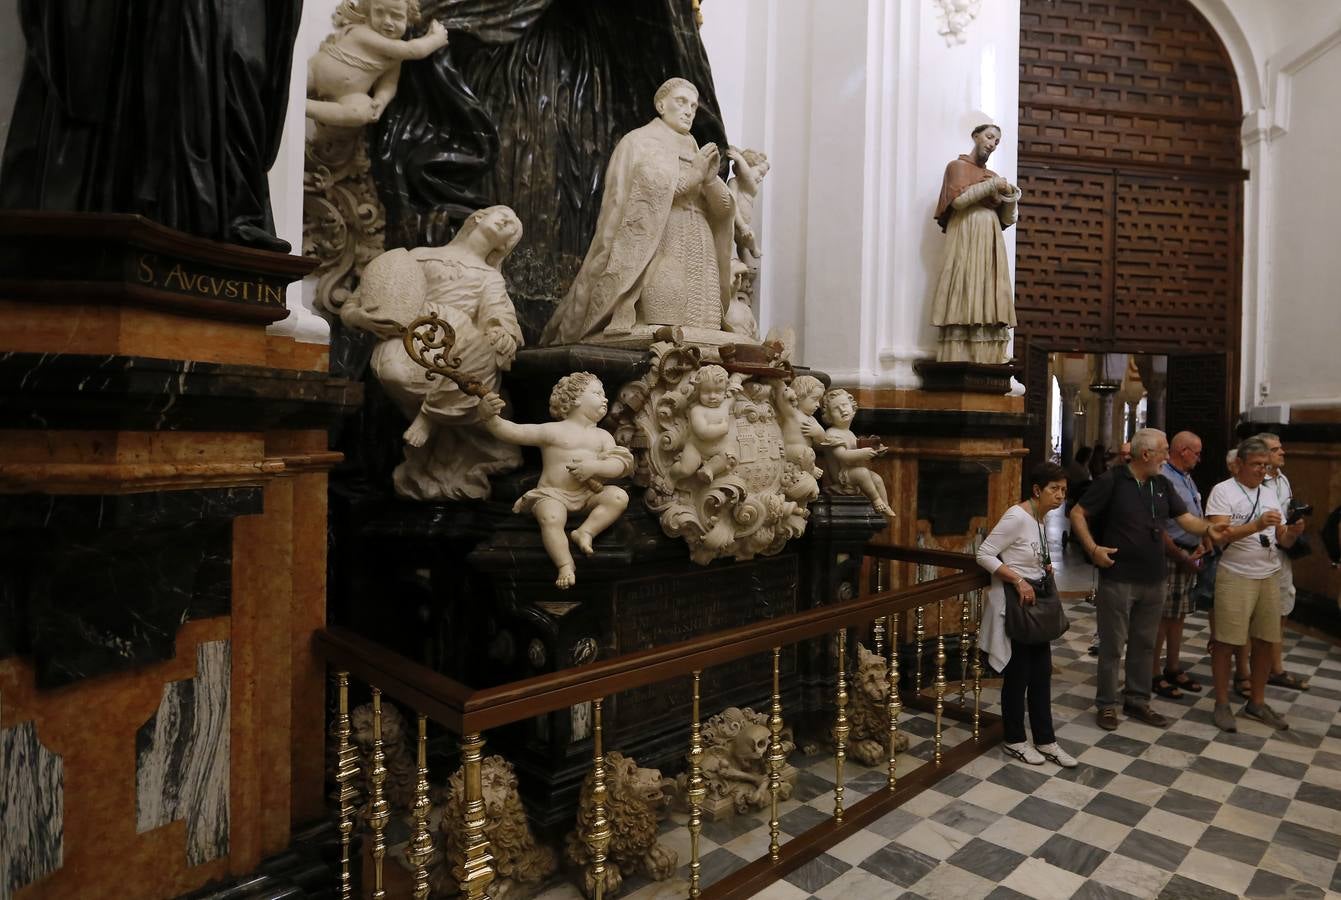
{"x":735,"y":764}
{"x":709,"y":449}
{"x":521,"y":864}
{"x":868,"y":712}
{"x":635,"y":801}
{"x":343,"y":221}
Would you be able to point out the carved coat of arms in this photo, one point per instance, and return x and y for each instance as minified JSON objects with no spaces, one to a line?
{"x":710,"y":452}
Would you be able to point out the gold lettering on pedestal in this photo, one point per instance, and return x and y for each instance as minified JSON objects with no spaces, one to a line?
{"x":181,"y":279}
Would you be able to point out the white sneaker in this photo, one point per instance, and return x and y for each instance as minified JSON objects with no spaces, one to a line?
{"x":1025,"y":753}
{"x":1054,"y":754}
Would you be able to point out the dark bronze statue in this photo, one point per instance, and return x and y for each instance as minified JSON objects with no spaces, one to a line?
{"x":172,"y":109}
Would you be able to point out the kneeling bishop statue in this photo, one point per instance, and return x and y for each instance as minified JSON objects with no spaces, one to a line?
{"x":661,"y":254}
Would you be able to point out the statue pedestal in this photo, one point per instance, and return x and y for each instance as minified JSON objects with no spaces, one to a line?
{"x":965,"y":377}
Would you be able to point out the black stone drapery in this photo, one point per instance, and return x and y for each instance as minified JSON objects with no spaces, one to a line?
{"x":540,"y":92}
{"x":172,"y":109}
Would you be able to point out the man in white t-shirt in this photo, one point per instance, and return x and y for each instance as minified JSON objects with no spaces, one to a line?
{"x":1279,"y":485}
{"x":1247,"y":587}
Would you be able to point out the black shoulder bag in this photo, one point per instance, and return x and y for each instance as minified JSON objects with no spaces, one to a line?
{"x":1044,"y":620}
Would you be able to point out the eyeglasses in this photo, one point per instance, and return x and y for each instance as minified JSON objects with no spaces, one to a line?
{"x":1253,"y":465}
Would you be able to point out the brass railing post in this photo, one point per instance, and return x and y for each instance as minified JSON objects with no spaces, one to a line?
{"x":977,"y":664}
{"x":697,"y":791}
{"x":920,"y":633}
{"x":477,"y":871}
{"x":940,"y":674}
{"x":964,"y":601}
{"x":776,"y":758}
{"x":347,"y":771}
{"x":895,"y":705}
{"x":420,"y":850}
{"x":598,"y":839}
{"x":840,"y":727}
{"x":379,"y":809}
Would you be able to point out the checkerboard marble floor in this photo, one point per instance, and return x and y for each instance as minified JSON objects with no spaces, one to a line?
{"x":1183,"y":812}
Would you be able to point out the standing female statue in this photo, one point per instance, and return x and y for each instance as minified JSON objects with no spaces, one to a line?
{"x":974,"y":307}
{"x":448,"y":455}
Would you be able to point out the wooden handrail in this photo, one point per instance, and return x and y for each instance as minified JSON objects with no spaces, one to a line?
{"x":467,"y":711}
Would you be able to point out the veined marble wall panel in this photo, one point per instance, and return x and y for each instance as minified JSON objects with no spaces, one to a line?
{"x":32,"y":808}
{"x":183,"y":755}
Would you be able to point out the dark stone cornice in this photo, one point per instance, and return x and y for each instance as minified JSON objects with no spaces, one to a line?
{"x":136,"y":393}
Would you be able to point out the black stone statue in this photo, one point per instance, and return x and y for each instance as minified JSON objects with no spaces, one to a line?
{"x":524,"y":108}
{"x":171,"y":109}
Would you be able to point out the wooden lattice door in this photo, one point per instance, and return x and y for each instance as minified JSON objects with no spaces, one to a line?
{"x":1130,"y":235}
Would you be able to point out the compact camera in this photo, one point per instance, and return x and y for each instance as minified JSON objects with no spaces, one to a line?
{"x":1297,"y":510}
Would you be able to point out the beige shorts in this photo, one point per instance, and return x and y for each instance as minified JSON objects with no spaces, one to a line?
{"x":1246,"y":607}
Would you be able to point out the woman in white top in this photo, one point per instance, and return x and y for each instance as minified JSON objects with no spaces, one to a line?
{"x":1016,"y":552}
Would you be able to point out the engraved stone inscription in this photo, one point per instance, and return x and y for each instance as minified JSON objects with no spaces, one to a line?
{"x":663,"y":609}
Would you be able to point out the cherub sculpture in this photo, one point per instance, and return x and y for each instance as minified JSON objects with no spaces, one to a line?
{"x":796,"y":404}
{"x":635,"y":800}
{"x":578,"y":458}
{"x":845,"y":462}
{"x":748,"y":169}
{"x":710,"y":449}
{"x":735,"y":763}
{"x":356,"y":70}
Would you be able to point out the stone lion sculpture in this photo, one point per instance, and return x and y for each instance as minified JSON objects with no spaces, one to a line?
{"x":401,"y":770}
{"x":868,"y":712}
{"x":521,"y":864}
{"x":634,"y":800}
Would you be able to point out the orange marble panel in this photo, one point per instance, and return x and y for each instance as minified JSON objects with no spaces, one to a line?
{"x":33,"y":327}
{"x":262,"y":720}
{"x":308,"y":745}
{"x":129,"y":447}
{"x":92,"y":725}
{"x":286,"y":353}
{"x":899,"y":398}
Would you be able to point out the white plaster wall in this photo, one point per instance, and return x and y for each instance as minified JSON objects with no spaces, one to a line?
{"x":863,"y":104}
{"x":1303,"y":321}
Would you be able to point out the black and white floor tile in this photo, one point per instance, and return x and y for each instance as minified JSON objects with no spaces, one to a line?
{"x":1184,"y":812}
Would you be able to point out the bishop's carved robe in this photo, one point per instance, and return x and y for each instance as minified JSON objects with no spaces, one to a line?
{"x":661,"y":253}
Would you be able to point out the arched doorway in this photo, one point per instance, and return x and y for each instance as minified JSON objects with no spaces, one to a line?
{"x":1130,"y":234}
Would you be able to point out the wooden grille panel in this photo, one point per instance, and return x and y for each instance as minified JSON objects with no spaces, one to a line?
{"x":1175,"y":258}
{"x":1130,"y":163}
{"x":1062,"y":259}
{"x":1140,"y":81}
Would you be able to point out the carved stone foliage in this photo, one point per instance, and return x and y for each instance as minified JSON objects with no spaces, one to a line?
{"x":634,"y":803}
{"x":343,"y":220}
{"x":735,"y":764}
{"x":521,"y":864}
{"x":708,"y":447}
{"x":868,"y":711}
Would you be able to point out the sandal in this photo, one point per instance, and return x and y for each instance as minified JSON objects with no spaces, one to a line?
{"x":1288,"y":680}
{"x":1243,"y":686}
{"x":1183,"y":680}
{"x":1165,"y":689}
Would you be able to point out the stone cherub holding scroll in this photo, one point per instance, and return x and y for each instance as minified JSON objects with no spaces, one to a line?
{"x":578,"y":458}
{"x":845,"y":460}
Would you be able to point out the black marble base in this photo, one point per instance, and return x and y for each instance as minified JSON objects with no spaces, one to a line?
{"x":54,"y":390}
{"x":965,"y":377}
{"x":308,"y":870}
{"x":96,"y":584}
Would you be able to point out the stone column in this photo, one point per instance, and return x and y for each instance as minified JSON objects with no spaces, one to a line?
{"x":1155,"y":376}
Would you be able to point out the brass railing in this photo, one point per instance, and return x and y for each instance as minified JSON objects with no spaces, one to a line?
{"x":469,"y":713}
